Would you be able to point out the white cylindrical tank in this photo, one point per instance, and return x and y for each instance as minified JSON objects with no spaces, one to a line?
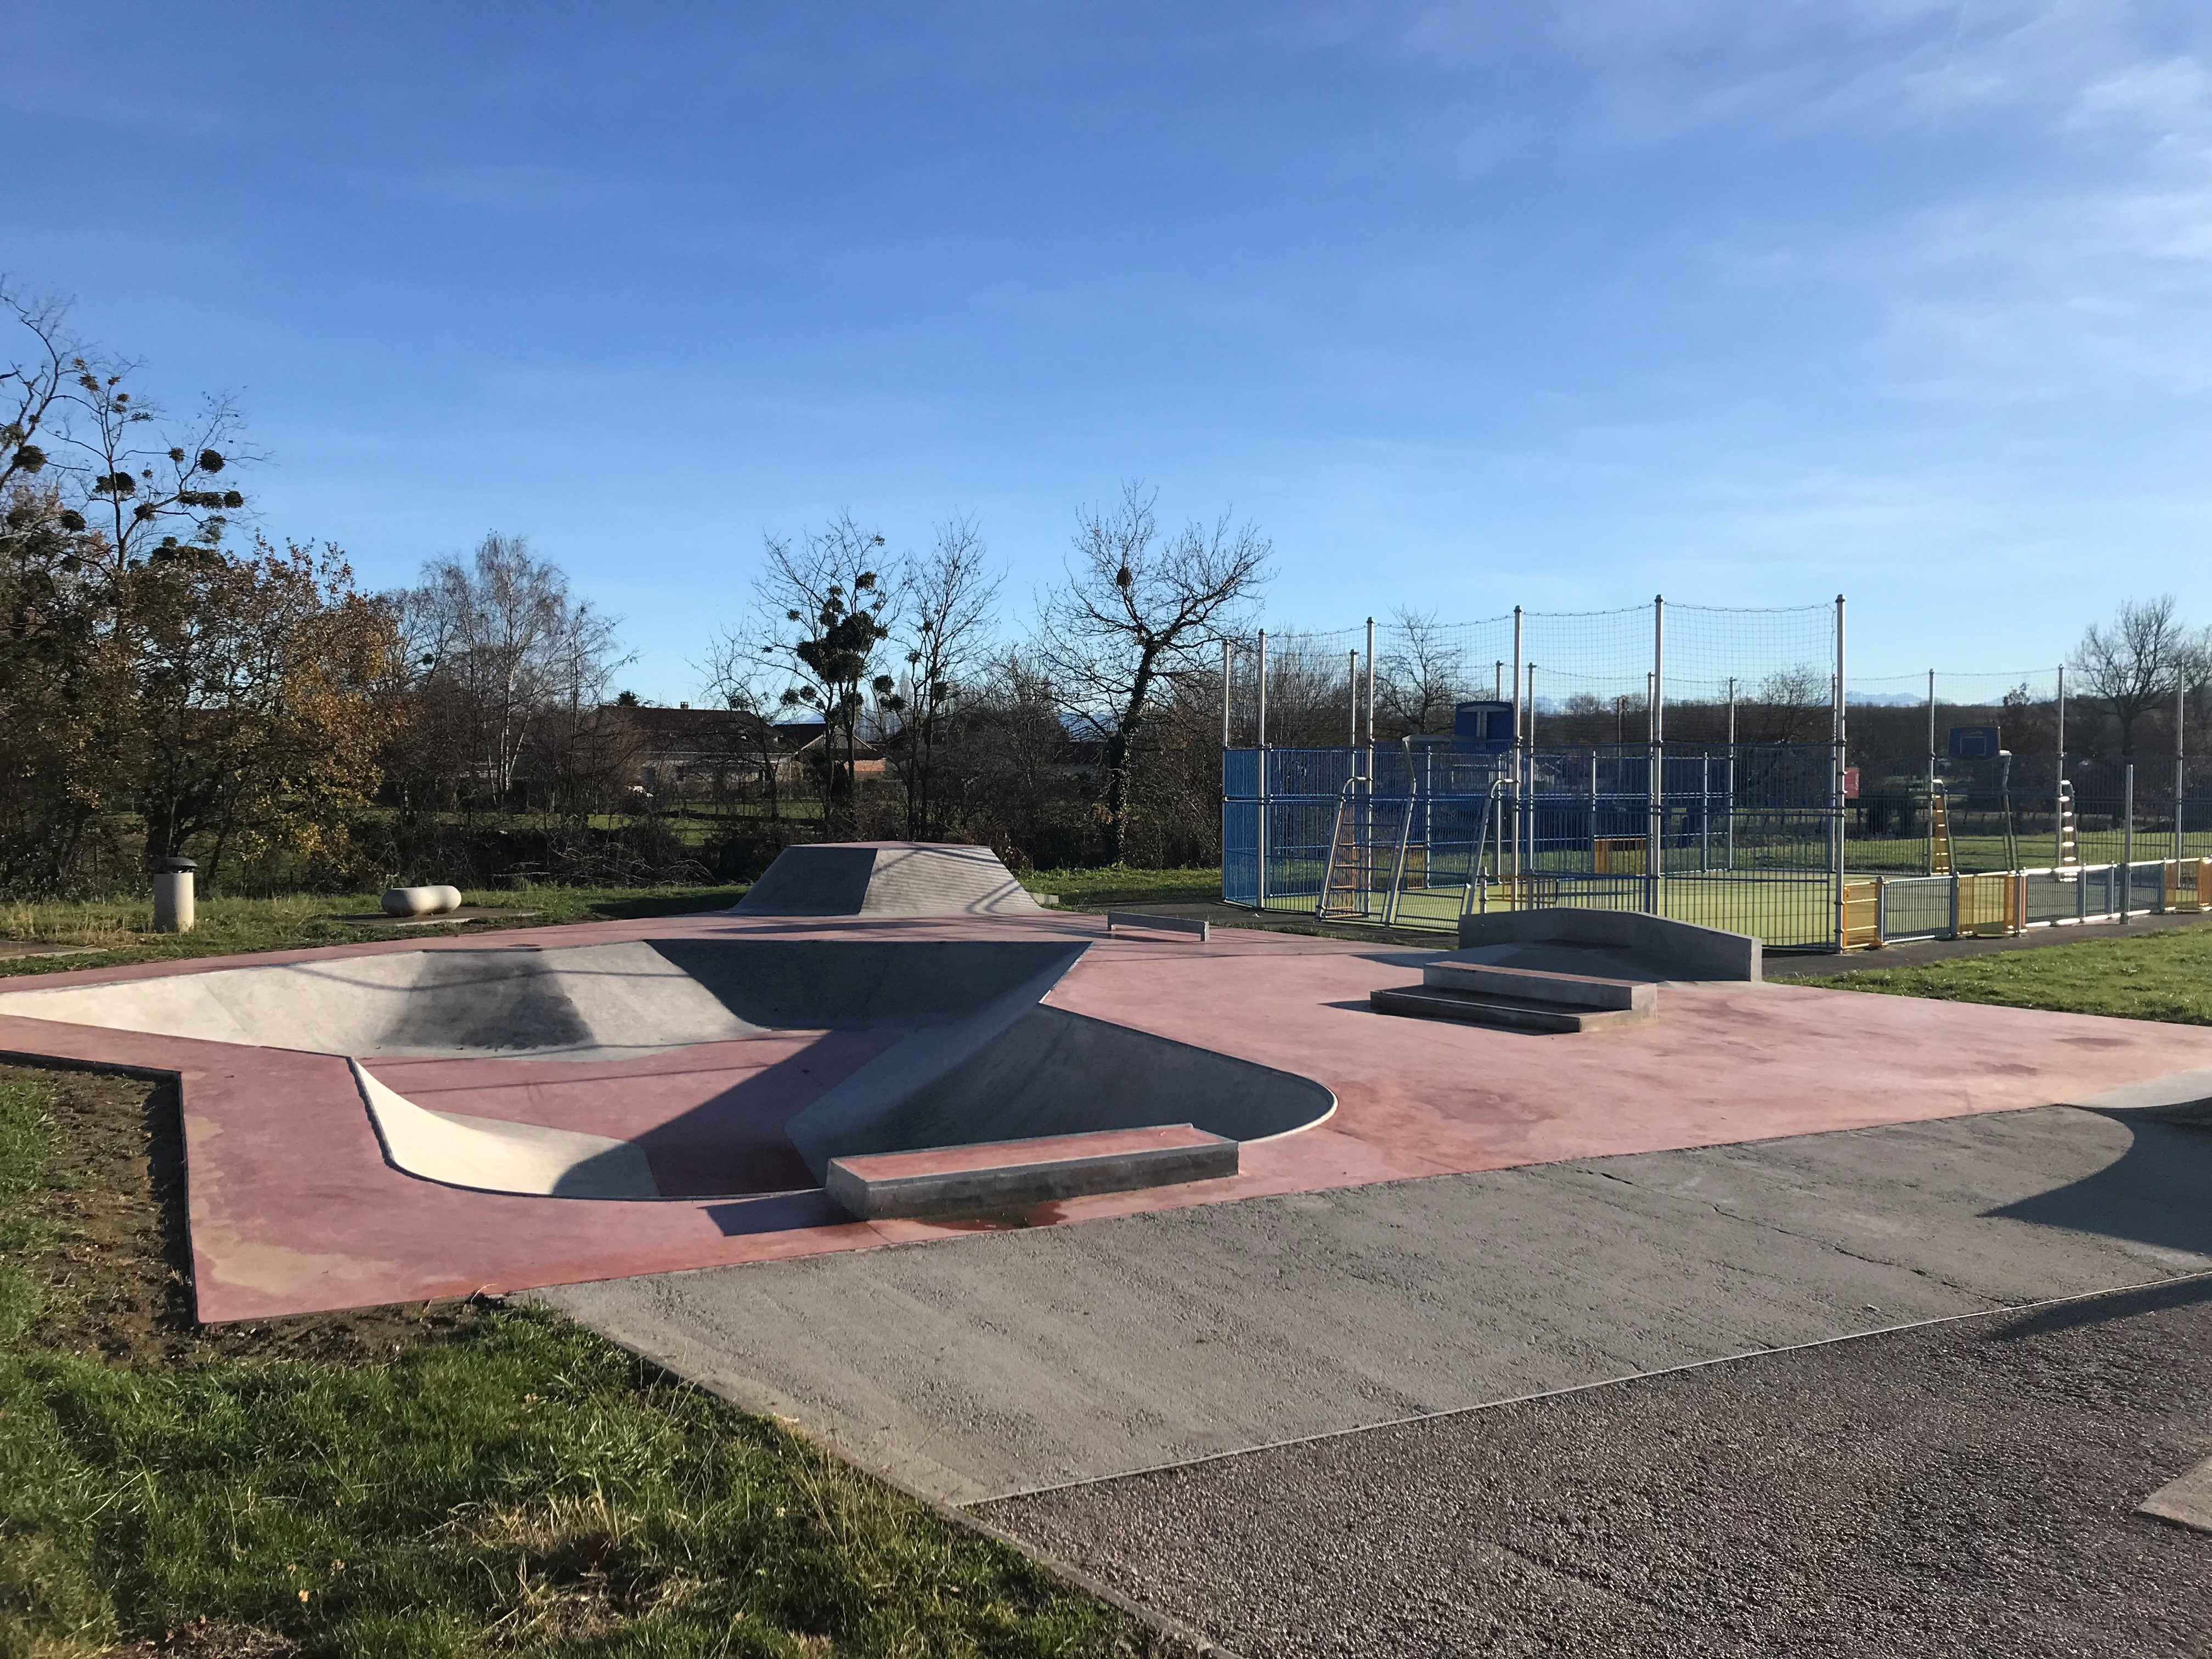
{"x":173,"y":895}
{"x":421,"y":901}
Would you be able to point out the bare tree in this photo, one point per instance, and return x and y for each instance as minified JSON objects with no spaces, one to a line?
{"x":501,"y":637}
{"x":1793,"y":705}
{"x":1136,"y":605}
{"x":1422,"y":676}
{"x":30,"y":386}
{"x":950,"y":595}
{"x":828,"y":612}
{"x":119,"y":468}
{"x":738,"y":675}
{"x":2135,"y":661}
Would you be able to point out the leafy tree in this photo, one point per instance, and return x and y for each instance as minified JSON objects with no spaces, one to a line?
{"x":258,"y":717}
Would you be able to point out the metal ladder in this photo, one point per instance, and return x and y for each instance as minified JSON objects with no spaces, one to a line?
{"x":2069,"y":850}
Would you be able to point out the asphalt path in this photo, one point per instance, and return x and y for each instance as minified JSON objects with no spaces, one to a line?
{"x":1966,"y":1488}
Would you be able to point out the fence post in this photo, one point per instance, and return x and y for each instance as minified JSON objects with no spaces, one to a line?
{"x":1839,"y":736}
{"x":1225,"y":695}
{"x":1370,"y":697}
{"x":2058,"y":788}
{"x":2127,"y":837}
{"x":1931,"y":772}
{"x":1655,"y":821}
{"x":2180,"y":712}
{"x":1728,"y":804}
{"x":1260,"y":746}
{"x":1519,"y":757}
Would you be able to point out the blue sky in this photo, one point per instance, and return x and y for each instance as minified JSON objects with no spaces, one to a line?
{"x":1464,"y":306}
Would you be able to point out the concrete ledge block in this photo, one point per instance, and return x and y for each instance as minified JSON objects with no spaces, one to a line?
{"x":1504,"y":1012}
{"x":1199,"y":930}
{"x":1540,"y":985}
{"x":1005,"y":1175}
{"x":1672,"y":949}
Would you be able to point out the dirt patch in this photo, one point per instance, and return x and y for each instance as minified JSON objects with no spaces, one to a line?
{"x":204,"y":1640}
{"x":114,"y":1260}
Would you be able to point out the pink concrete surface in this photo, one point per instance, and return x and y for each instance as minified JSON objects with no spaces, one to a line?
{"x":293,"y":1208}
{"x":1035,"y":1149}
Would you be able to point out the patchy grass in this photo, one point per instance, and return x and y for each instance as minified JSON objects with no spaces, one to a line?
{"x":1081,"y":890}
{"x":2164,"y":976}
{"x":484,"y":1481}
{"x":121,"y":930}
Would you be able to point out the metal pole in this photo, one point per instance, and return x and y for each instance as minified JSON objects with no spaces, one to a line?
{"x":1260,"y":883}
{"x":1370,"y":696}
{"x":1520,"y":753}
{"x":1729,"y":806}
{"x":1931,"y":771}
{"x":1705,"y":814}
{"x":2058,"y":789}
{"x":2180,"y":712}
{"x":1532,"y":705}
{"x":1840,"y":737}
{"x":1654,"y":820}
{"x":1351,"y":691}
{"x":1225,"y":694}
{"x":1260,"y":740}
{"x":2127,"y":836}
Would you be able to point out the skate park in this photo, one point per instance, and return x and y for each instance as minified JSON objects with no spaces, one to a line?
{"x":639,"y":1123}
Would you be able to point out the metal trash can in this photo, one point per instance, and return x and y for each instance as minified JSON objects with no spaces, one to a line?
{"x":173,"y":895}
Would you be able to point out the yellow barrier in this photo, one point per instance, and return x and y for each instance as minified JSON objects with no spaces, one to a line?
{"x":1861,"y":913}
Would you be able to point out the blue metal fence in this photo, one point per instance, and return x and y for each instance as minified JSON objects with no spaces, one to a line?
{"x":1742,"y":836}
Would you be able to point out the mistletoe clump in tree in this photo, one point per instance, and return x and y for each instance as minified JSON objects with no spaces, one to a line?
{"x":837,"y":613}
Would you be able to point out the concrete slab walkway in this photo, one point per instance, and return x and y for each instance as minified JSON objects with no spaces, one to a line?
{"x":1006,"y":1363}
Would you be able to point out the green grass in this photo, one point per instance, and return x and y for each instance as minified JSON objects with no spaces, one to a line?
{"x":2164,"y":976}
{"x":121,"y":930}
{"x":523,"y":1488}
{"x":1118,"y":885}
{"x":519,"y":1487}
{"x":22,"y":1160}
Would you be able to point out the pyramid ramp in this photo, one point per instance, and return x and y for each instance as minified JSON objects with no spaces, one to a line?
{"x":887,"y":879}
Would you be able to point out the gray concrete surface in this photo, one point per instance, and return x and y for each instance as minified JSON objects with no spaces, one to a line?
{"x":1963,"y":1489}
{"x":1672,"y":949}
{"x":999,"y":1363}
{"x":1019,"y":1070}
{"x":886,"y":879}
{"x":584,"y":1002}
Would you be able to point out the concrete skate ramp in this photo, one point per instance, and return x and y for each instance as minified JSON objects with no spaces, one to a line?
{"x":493,"y":1155}
{"x":887,"y":879}
{"x":973,"y":1054}
{"x":589,"y":1002}
{"x":1017,"y":1070}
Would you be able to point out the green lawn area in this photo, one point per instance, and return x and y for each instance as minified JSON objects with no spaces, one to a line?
{"x":484,"y":1481}
{"x":121,"y":929}
{"x":1118,"y":884}
{"x":2164,"y":976}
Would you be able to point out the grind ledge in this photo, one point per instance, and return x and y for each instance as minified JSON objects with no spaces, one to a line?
{"x":1006,"y":1175}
